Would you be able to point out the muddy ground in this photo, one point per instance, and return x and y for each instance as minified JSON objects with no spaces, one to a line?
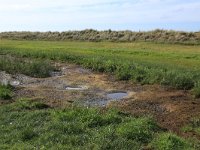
{"x":173,"y":109}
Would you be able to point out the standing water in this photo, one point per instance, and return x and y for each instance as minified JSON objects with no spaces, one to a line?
{"x":117,"y":95}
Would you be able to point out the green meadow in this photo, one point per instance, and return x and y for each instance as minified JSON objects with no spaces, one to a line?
{"x":31,"y":124}
{"x":173,"y":65}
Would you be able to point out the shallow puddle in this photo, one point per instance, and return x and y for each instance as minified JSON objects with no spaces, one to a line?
{"x":102,"y":102}
{"x":15,"y":83}
{"x":79,"y":88}
{"x":117,"y":95}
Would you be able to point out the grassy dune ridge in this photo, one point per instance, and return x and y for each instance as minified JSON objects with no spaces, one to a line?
{"x":147,"y":63}
{"x":161,"y":36}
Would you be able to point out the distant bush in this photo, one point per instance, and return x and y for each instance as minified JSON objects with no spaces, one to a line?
{"x":166,"y":36}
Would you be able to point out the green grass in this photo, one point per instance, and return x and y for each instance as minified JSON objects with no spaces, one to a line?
{"x":28,"y":124}
{"x":5,"y":92}
{"x":169,"y":141}
{"x":33,"y":68}
{"x":141,"y":130}
{"x":147,"y":63}
{"x":196,"y":90}
{"x":194,"y":126}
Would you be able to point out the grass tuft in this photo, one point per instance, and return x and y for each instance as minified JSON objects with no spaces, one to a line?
{"x":24,"y":125}
{"x":141,"y":130}
{"x":196,"y":92}
{"x":27,"y":134}
{"x":169,"y":141}
{"x":5,"y":92}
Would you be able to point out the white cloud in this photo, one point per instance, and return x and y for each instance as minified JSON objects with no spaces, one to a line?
{"x":56,"y":14}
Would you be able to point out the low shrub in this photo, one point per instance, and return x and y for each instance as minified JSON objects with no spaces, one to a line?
{"x":34,"y":68}
{"x":123,"y":72}
{"x":178,"y":80}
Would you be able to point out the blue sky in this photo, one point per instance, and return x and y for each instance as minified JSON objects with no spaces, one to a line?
{"x":62,"y":15}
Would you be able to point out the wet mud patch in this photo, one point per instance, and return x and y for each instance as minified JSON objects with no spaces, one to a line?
{"x":56,"y":73}
{"x":73,"y":85}
{"x":96,"y":102}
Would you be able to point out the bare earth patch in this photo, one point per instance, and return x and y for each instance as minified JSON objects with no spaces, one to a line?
{"x":72,"y":84}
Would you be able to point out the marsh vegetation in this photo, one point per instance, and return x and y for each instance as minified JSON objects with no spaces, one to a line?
{"x":38,"y":123}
